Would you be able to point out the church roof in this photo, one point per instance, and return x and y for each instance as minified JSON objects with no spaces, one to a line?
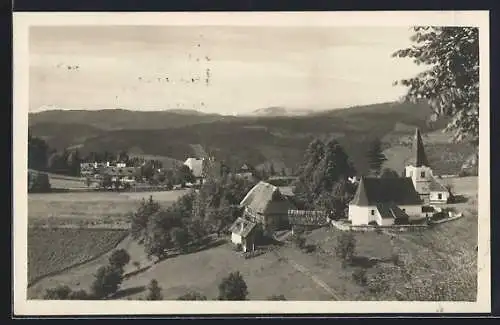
{"x":395,"y":190}
{"x":419,"y":158}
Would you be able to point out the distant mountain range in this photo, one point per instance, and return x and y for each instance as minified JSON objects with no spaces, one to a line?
{"x":280,"y":111}
{"x":268,"y":136}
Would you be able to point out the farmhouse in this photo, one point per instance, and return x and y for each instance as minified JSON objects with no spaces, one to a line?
{"x":245,"y":171}
{"x":245,"y":233}
{"x":384,"y":201}
{"x":264,"y":204}
{"x":196,"y":166}
{"x":420,"y":172}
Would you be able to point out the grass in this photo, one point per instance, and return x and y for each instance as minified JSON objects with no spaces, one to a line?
{"x":52,"y":250}
{"x":299,"y":275}
{"x":91,"y":205}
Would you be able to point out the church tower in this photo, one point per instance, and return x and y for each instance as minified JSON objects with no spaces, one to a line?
{"x":418,"y":168}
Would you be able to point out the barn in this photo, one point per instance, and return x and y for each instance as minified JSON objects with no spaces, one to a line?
{"x":266,"y":205}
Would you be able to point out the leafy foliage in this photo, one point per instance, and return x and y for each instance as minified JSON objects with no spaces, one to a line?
{"x":346,"y":246}
{"x":38,"y":182}
{"x":140,"y":218}
{"x":107,"y":281}
{"x":61,"y":292}
{"x":376,"y":157}
{"x":119,"y":258}
{"x":451,"y":83}
{"x":192,"y":295}
{"x":233,"y":287}
{"x":277,"y":297}
{"x":154,"y":291}
{"x":388,"y":173}
{"x":322,"y":180}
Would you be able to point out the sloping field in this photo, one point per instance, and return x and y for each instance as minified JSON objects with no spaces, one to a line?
{"x":92,"y":205}
{"x":52,"y":250}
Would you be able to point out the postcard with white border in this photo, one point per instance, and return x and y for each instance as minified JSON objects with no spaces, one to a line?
{"x":251,"y":163}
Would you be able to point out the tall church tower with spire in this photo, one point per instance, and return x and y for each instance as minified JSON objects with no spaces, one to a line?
{"x":418,"y":168}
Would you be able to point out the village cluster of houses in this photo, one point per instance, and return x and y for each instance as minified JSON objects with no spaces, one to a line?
{"x":118,"y":171}
{"x":377,"y":201}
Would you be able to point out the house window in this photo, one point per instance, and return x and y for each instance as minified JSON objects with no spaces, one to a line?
{"x":440,"y":196}
{"x":373,"y":212}
{"x":422,"y":174}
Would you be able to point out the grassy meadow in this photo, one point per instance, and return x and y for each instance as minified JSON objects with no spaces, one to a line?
{"x":94,"y":206}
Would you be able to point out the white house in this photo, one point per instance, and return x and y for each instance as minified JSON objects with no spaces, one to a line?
{"x":385,"y":201}
{"x":420,"y":172}
{"x":196,"y":166}
{"x":244,"y":232}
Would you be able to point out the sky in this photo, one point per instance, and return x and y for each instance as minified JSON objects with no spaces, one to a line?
{"x":226,"y":69}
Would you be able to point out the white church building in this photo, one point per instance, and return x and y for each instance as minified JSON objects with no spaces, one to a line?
{"x":396,"y":200}
{"x":420,"y":172}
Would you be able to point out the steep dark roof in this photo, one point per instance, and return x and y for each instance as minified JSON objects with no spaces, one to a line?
{"x":391,"y":211}
{"x":419,"y":158}
{"x":373,"y":190}
{"x":265,"y":198}
{"x":242,"y":227}
{"x":435,"y":186}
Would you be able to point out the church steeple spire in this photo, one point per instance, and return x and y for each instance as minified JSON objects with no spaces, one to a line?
{"x":418,"y":152}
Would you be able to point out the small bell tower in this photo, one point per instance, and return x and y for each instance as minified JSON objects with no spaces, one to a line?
{"x":418,"y":168}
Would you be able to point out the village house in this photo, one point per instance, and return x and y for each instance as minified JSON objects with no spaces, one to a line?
{"x":421,"y":174}
{"x":196,"y":166}
{"x":245,"y":233}
{"x":265,"y":205}
{"x":385,"y":201}
{"x":245,"y":171}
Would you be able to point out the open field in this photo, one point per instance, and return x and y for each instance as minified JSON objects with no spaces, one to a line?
{"x":52,"y":250}
{"x":92,"y":205}
{"x":317,"y":275}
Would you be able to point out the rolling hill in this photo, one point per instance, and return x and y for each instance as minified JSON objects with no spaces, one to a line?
{"x":257,"y":140}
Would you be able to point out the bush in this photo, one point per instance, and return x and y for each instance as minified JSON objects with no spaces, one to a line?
{"x":238,"y":247}
{"x":79,"y":295}
{"x":107,"y":281}
{"x":359,"y":276}
{"x":61,"y":292}
{"x":38,"y":182}
{"x":192,"y":295}
{"x":119,"y":258}
{"x":136,"y":264}
{"x":346,"y":246}
{"x":154,"y":291}
{"x":233,"y":287}
{"x":276,"y":297}
{"x":299,"y":241}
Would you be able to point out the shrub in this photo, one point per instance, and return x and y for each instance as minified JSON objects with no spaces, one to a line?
{"x":346,"y":246}
{"x":119,"y":258}
{"x":299,"y":241}
{"x":79,"y":295}
{"x":359,"y":276}
{"x":154,"y":291}
{"x":276,"y":297}
{"x":61,"y":292}
{"x":38,"y":182}
{"x":238,"y":247}
{"x":136,"y":264}
{"x":107,"y":281}
{"x":233,"y":287}
{"x":192,"y":295}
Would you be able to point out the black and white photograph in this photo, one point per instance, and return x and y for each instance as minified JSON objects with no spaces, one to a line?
{"x":258,"y":162}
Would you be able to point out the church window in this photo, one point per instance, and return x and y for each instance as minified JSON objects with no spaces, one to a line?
{"x":373,"y":212}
